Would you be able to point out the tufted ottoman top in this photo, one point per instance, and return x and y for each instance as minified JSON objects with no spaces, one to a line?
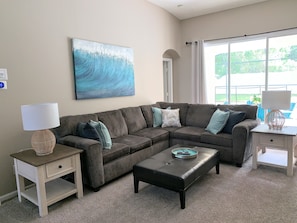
{"x":175,"y":174}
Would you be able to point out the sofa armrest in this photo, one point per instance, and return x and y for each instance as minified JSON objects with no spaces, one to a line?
{"x":91,"y":159}
{"x":241,"y":136}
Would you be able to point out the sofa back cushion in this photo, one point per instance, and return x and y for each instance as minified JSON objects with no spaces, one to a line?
{"x":148,"y":114}
{"x":250,"y":110}
{"x":199,"y":115}
{"x":114,"y":122}
{"x":68,"y":124}
{"x":134,"y":119}
{"x":183,"y":109}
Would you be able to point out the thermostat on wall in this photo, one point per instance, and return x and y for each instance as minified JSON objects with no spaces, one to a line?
{"x":3,"y":85}
{"x":3,"y":74}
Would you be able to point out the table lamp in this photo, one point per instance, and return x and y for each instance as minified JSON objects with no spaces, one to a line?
{"x":276,"y":100}
{"x":40,"y":118}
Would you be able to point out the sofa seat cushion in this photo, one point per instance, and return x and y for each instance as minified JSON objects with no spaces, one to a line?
{"x":155,"y":134}
{"x":221,"y":139}
{"x":171,"y":129}
{"x":117,"y":150}
{"x":134,"y":142}
{"x":188,"y":133}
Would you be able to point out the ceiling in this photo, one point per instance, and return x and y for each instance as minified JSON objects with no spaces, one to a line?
{"x":185,"y":9}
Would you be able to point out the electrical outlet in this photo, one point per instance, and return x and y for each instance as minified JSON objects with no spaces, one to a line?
{"x":3,"y":85}
{"x":3,"y":74}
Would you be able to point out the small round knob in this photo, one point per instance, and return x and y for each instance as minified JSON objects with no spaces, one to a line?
{"x":60,"y":166}
{"x":271,"y":140}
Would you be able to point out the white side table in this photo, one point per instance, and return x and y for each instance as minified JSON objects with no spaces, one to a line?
{"x":46,"y":172}
{"x":274,"y":147}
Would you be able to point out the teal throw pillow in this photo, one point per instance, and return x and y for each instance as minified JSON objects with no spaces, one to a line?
{"x":103,"y":133}
{"x":157,"y":116}
{"x":218,"y":121}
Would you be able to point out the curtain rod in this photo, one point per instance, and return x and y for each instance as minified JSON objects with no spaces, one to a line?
{"x":189,"y":43}
{"x":233,"y":37}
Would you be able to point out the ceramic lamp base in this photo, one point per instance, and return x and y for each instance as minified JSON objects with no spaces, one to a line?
{"x":43,"y":142}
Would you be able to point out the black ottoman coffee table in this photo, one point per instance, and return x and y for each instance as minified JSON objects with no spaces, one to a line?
{"x":175,"y":174}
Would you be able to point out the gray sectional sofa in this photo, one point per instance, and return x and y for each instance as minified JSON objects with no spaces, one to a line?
{"x":134,"y":137}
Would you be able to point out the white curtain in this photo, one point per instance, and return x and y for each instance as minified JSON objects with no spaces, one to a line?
{"x":197,"y":73}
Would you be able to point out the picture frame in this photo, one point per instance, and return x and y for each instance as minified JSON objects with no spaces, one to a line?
{"x":102,"y":70}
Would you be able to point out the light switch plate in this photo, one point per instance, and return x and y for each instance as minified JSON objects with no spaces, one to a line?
{"x":3,"y":85}
{"x":3,"y":74}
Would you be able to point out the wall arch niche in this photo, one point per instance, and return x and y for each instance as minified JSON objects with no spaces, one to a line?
{"x":170,"y":58}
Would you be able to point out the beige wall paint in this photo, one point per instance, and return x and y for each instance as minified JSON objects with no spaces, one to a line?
{"x":258,"y":18}
{"x":35,"y":47}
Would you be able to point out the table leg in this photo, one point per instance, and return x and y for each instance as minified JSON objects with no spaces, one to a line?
{"x":182,"y":197}
{"x":218,"y":168}
{"x":78,"y":178}
{"x":41,"y":193}
{"x":19,"y":182}
{"x":136,"y":183}
{"x":290,"y":161}
{"x":255,"y":156}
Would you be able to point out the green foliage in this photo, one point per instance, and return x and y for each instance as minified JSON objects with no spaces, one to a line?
{"x":253,"y":61}
{"x":292,"y":55}
{"x":256,"y":99}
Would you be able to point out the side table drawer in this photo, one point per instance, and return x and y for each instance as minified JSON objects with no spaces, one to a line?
{"x":272,"y":140}
{"x":59,"y":167}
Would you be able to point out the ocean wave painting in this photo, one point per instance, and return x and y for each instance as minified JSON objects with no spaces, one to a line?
{"x":102,"y":70}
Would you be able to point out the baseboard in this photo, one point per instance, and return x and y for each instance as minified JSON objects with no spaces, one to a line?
{"x":8,"y":196}
{"x":12,"y":194}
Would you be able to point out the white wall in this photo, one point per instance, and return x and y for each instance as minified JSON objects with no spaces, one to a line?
{"x":268,"y":16}
{"x":35,"y":47}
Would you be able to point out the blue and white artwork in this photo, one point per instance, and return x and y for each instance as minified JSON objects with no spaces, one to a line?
{"x":102,"y":70}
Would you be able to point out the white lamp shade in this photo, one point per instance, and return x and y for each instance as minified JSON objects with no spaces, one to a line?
{"x":275,"y":100}
{"x":40,"y":116}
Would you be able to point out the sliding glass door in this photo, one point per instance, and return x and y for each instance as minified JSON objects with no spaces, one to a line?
{"x":238,"y":70}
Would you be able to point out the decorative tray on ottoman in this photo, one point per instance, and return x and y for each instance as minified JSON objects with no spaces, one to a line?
{"x":184,"y":153}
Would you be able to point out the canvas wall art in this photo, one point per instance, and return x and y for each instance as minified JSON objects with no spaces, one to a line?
{"x":102,"y":70}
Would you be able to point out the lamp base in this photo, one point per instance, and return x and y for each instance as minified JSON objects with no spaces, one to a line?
{"x":43,"y":142}
{"x":275,"y":120}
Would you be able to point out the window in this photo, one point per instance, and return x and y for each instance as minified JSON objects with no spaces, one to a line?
{"x":239,"y":69}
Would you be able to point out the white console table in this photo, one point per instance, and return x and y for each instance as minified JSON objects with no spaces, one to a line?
{"x":274,"y":147}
